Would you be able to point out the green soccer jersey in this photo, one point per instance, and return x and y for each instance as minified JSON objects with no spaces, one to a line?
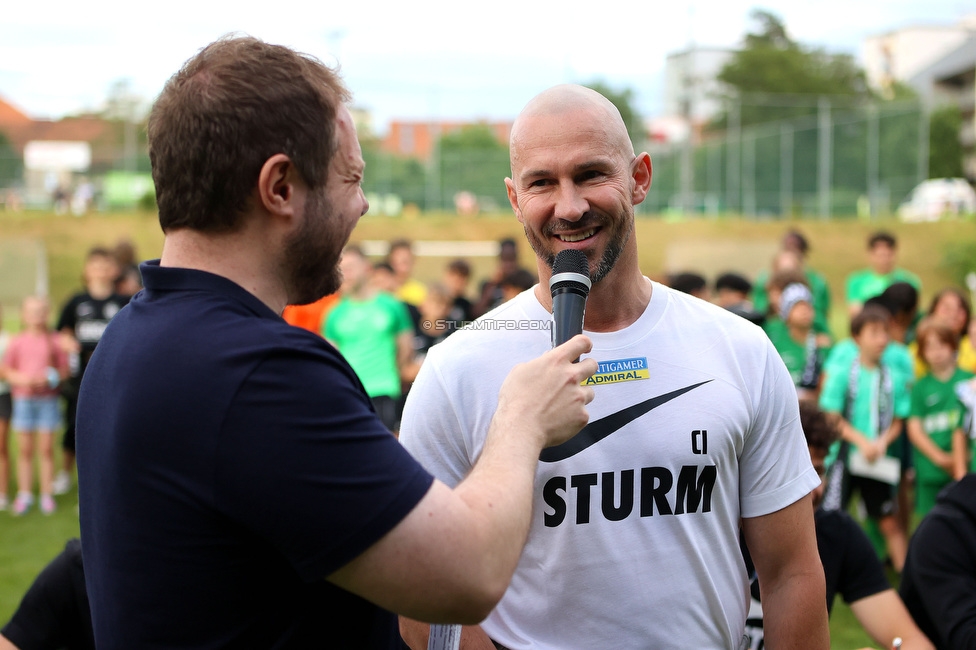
{"x":896,"y":356}
{"x":935,"y":404}
{"x":875,"y":397}
{"x":365,"y":332}
{"x":818,"y":287}
{"x":804,"y":360}
{"x":865,"y":284}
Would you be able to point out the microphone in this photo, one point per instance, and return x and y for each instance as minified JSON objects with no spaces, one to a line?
{"x":569,"y":286}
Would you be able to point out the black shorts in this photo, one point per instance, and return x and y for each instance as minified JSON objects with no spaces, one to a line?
{"x":901,"y":449}
{"x":880,"y":498}
{"x":6,"y":406}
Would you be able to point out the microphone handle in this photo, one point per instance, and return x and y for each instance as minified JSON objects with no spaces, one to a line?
{"x":568,"y":308}
{"x":444,"y":637}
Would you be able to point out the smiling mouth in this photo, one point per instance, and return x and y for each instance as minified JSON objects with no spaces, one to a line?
{"x":580,"y":236}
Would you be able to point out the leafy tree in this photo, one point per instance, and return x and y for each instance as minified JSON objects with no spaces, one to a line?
{"x":945,"y":148}
{"x":472,"y":159}
{"x":775,"y":85}
{"x":624,"y":101}
{"x":389,"y":174}
{"x":472,"y":137}
{"x":771,"y":63}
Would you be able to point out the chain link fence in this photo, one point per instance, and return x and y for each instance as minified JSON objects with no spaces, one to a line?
{"x":839,"y":161}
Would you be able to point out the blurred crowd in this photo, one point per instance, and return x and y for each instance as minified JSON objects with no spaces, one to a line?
{"x":41,"y":369}
{"x":898,"y":387}
{"x":896,"y":390}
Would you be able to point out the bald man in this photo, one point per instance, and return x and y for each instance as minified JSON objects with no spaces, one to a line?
{"x":694,"y":428}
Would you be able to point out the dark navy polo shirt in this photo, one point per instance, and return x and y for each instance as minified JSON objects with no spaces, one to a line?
{"x":227,"y":463}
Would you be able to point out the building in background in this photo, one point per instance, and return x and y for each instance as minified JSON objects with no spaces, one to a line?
{"x":417,"y":138}
{"x":904,"y":54}
{"x":952,"y":80}
{"x":67,"y":159}
{"x":691,"y":87}
{"x":939,"y":63}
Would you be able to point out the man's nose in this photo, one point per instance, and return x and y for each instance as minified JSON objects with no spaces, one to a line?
{"x":570,"y":203}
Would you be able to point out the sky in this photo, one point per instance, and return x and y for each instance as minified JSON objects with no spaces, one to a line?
{"x":420,"y":60}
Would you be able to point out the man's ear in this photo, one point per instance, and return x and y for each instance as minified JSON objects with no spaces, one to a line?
{"x":642,"y":178}
{"x":276,"y":185}
{"x":513,"y":198}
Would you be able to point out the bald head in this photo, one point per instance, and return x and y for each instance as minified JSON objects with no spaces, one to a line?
{"x":566,"y":100}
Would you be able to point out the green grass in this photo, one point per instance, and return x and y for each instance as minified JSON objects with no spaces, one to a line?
{"x":27,"y":544}
{"x":838,"y":246}
{"x":845,"y":631}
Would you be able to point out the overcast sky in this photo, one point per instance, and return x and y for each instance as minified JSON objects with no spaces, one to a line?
{"x":424,"y":59}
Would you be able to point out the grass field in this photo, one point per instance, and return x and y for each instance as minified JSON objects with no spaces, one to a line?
{"x":707,"y":245}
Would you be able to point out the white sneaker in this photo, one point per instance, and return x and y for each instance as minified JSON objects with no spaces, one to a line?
{"x":61,"y":483}
{"x":22,"y":503}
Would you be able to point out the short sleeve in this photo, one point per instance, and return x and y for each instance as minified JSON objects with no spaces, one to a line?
{"x":774,"y":467}
{"x":834,"y":390}
{"x":862,"y":574}
{"x":313,"y":470}
{"x":430,"y":429}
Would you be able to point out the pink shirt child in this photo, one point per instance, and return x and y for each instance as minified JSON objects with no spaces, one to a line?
{"x":33,"y":353}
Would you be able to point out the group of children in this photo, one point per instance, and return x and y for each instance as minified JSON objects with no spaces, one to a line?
{"x":384,"y":320}
{"x":899,"y":390}
{"x":41,"y":369}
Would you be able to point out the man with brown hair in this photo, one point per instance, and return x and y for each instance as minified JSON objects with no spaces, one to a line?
{"x":237,"y":489}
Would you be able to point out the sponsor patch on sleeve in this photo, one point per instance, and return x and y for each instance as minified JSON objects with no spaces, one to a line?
{"x":618,"y":370}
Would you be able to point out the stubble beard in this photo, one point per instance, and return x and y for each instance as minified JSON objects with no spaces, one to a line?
{"x":312,"y":254}
{"x":614,"y":248}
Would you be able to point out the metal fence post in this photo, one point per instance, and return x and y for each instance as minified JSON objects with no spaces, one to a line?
{"x":824,"y":156}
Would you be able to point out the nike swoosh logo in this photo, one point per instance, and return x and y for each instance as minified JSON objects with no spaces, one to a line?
{"x":597,"y":430}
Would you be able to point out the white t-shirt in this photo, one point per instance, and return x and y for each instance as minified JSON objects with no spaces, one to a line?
{"x":635,"y":528}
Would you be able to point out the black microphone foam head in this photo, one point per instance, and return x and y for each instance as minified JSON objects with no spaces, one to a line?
{"x":570,"y":272}
{"x":571,"y":260}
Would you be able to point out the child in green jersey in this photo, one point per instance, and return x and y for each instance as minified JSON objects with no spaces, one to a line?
{"x":867,"y":402}
{"x":936,"y":412}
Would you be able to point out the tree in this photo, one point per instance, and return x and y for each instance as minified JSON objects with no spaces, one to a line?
{"x":792,"y":75}
{"x":389,"y":174}
{"x":473,"y":159}
{"x":945,"y":148}
{"x":624,"y":101}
